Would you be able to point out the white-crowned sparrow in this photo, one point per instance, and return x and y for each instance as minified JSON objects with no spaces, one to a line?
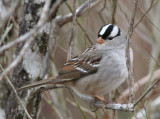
{"x":100,"y":68}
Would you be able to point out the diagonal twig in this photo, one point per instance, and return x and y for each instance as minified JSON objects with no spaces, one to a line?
{"x":146,"y":92}
{"x":141,"y":83}
{"x":151,"y":5}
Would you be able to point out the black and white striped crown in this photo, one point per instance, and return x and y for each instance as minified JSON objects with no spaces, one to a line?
{"x":109,"y":31}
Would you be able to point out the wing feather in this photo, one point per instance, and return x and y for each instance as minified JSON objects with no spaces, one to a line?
{"x":81,"y":65}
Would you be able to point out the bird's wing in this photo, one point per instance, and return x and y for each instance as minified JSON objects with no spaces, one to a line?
{"x":81,"y":65}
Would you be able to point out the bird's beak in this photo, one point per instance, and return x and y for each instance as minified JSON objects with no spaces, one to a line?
{"x":100,"y":40}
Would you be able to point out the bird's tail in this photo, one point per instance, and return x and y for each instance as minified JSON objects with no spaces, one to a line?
{"x":44,"y":82}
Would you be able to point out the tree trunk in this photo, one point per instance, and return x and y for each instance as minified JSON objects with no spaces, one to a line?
{"x":34,"y":64}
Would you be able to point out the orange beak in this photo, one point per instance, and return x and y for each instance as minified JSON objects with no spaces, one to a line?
{"x":100,"y":40}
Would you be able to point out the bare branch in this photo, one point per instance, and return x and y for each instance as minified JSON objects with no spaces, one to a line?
{"x":16,"y":94}
{"x":83,"y":8}
{"x":130,"y":70}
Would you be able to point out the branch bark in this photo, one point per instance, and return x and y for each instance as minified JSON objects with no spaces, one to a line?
{"x":129,"y":65}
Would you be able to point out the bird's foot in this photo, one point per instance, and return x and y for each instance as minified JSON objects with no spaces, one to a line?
{"x":98,"y":99}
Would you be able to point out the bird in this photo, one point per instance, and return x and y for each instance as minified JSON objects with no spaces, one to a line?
{"x":99,"y":69}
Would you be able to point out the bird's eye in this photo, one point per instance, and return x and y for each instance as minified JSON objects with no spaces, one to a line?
{"x":109,"y":31}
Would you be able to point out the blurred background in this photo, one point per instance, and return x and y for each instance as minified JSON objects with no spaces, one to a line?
{"x":145,"y":42}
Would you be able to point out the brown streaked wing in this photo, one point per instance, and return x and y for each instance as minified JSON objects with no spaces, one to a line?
{"x":82,"y":65}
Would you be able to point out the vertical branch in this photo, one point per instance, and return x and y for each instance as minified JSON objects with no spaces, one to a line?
{"x":72,"y":31}
{"x":129,"y":65}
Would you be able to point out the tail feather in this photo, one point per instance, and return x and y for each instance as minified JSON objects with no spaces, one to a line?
{"x":44,"y":82}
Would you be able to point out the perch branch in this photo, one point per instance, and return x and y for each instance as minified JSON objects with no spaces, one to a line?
{"x":89,"y":99}
{"x":120,"y":107}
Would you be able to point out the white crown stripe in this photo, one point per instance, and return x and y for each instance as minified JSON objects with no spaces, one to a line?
{"x":104,"y":29}
{"x":114,"y":31}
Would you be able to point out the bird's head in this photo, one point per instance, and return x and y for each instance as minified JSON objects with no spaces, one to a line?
{"x":108,"y":32}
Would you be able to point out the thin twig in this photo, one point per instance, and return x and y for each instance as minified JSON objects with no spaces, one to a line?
{"x":157,"y":28}
{"x":125,"y":15}
{"x":101,"y":10}
{"x":81,"y":27}
{"x":72,"y":32}
{"x":147,"y":91}
{"x":130,"y":70}
{"x":142,"y":82}
{"x":154,"y":58}
{"x":16,"y":94}
{"x":8,"y":29}
{"x":151,"y":5}
{"x":78,"y":106}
